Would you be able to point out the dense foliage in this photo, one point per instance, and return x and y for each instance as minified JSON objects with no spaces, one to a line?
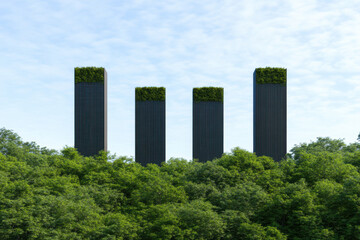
{"x":89,"y":74}
{"x":208,"y":94}
{"x":150,"y":94}
{"x":313,"y":194}
{"x":270,"y":75}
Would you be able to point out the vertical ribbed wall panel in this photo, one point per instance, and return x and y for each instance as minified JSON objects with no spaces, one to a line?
{"x":149,"y":132}
{"x":90,"y":117}
{"x":208,"y":130}
{"x":270,"y":120}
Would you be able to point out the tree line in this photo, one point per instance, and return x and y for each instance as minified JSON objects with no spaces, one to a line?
{"x":312,"y":194}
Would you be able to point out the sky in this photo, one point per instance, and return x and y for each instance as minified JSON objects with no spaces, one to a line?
{"x":179,"y":45}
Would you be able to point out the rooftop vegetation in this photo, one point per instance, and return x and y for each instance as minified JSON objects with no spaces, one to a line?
{"x":208,"y":94}
{"x":89,"y":74}
{"x":270,"y":75}
{"x":150,"y":94}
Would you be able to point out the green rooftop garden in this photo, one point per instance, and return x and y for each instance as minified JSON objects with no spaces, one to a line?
{"x":150,"y":94}
{"x":89,"y":74}
{"x":270,"y":75}
{"x":208,"y":94}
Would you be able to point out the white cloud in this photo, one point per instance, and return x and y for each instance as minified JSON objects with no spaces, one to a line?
{"x":179,"y":45}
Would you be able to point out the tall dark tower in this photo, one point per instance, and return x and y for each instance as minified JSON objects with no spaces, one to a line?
{"x":150,"y":125}
{"x":90,"y":110}
{"x":208,"y":123}
{"x":270,"y":112}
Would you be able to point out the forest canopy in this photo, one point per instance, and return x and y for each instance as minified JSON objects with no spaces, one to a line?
{"x":312,"y":194}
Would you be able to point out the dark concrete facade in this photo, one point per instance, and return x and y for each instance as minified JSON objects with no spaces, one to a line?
{"x":208,"y":130}
{"x":149,"y":132}
{"x":91,"y":117}
{"x":270,"y":121}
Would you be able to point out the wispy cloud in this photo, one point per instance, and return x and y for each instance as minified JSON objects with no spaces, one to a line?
{"x":180,"y":45}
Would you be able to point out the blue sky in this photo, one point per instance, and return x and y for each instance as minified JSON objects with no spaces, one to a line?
{"x":179,"y":45}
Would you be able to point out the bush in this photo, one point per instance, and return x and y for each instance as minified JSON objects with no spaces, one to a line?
{"x":89,"y":74}
{"x":208,"y":94}
{"x":270,"y":75}
{"x":150,"y":94}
